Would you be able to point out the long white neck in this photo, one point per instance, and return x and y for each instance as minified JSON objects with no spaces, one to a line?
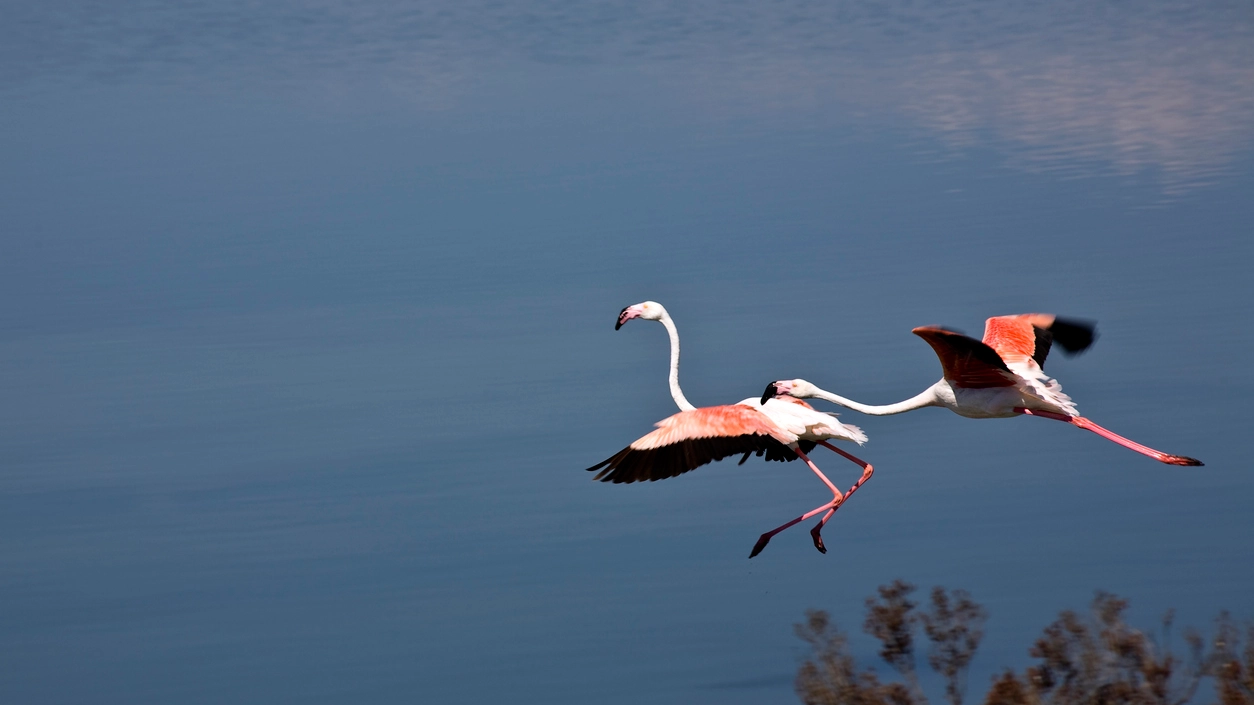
{"x":925,"y":398}
{"x":676,"y":393}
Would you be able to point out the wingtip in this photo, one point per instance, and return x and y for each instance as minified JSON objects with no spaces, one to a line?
{"x":1073,"y":335}
{"x":605,"y":469}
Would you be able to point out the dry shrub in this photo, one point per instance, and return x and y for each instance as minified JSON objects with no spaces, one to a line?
{"x":1093,"y":659}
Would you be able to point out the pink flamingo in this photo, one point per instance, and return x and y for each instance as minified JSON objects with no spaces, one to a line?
{"x":1000,"y":377}
{"x":782,"y":429}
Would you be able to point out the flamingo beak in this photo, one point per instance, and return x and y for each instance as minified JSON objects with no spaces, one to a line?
{"x":771,"y":392}
{"x":628,"y":313}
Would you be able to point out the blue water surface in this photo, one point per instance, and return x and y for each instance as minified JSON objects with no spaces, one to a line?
{"x":306,"y":334}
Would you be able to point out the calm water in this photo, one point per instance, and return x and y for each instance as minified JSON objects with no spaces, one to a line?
{"x":306,"y":327}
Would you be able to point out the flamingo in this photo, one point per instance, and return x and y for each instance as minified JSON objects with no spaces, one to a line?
{"x":999,"y":377}
{"x":780,"y":429}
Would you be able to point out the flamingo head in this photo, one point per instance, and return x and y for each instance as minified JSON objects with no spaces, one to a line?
{"x":798,"y":388}
{"x":649,"y":311}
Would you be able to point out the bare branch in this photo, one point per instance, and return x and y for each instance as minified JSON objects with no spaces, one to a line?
{"x":955,"y":625}
{"x":890,"y":619}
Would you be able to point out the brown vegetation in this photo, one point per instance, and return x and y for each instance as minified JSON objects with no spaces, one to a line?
{"x":1095,"y":659}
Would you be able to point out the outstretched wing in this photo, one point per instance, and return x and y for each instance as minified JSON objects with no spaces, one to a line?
{"x":966,"y":361}
{"x":1030,"y":335}
{"x":690,"y":439}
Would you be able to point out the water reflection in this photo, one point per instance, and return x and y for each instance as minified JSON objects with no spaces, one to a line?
{"x":1163,"y":90}
{"x":1178,"y":114}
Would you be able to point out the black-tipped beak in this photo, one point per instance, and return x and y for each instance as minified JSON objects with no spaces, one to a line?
{"x":769,"y":393}
{"x":622,"y":318}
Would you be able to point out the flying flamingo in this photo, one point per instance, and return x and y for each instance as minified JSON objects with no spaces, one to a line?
{"x":782,"y":429}
{"x":1000,"y":377}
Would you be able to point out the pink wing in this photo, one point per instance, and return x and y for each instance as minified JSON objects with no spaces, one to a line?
{"x":690,"y":439}
{"x":966,"y":361}
{"x":1027,"y":336}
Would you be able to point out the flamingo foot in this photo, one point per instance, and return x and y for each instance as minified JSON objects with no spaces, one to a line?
{"x":1182,"y":460}
{"x":761,"y":544}
{"x":818,"y":540}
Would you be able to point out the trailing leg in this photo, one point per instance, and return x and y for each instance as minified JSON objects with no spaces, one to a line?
{"x":1109,"y":435}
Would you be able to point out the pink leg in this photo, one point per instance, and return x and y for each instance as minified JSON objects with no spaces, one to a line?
{"x":867,"y":471}
{"x":1112,"y":436}
{"x":837,"y":499}
{"x":818,"y":472}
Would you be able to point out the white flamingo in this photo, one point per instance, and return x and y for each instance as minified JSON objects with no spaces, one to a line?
{"x":999,"y":377}
{"x":780,"y":429}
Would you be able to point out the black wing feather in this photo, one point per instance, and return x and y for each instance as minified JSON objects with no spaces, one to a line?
{"x":632,"y":465}
{"x":1044,"y":339}
{"x":1072,"y":334}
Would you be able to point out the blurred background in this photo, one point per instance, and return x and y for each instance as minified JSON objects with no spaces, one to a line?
{"x":306,"y":333}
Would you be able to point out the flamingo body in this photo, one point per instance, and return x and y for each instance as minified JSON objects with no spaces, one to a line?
{"x":979,"y":382}
{"x":782,"y":429}
{"x":1000,"y":376}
